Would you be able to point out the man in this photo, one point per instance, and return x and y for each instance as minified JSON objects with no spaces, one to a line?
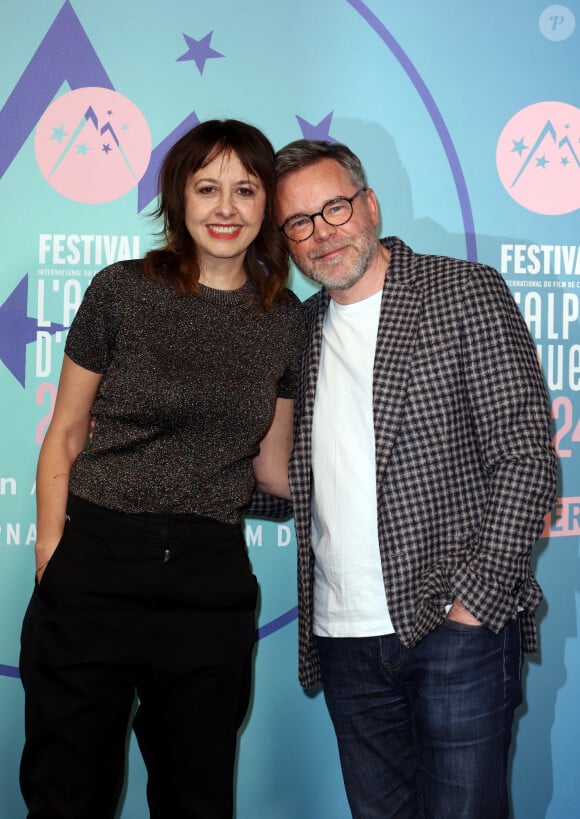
{"x":421,"y":474}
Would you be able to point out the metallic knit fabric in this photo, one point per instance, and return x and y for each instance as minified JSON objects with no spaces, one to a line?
{"x":188,"y":391}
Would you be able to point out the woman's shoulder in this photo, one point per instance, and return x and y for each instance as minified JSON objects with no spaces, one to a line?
{"x":125,"y":271}
{"x":293,"y":298}
{"x":124,"y":279}
{"x":289,"y":308}
{"x":292,"y":315}
{"x":290,"y":302}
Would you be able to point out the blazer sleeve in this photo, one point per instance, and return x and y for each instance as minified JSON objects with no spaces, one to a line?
{"x":512,"y":419}
{"x":268,"y":506}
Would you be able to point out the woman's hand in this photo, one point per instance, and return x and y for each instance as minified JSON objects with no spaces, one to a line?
{"x":43,"y":555}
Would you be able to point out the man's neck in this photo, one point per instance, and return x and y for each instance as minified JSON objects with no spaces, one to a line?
{"x":372,"y":280}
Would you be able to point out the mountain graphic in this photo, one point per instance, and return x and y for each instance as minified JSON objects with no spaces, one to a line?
{"x":79,"y":66}
{"x":548,"y":133}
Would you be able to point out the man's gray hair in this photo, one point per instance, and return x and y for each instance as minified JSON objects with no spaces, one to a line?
{"x":304,"y":152}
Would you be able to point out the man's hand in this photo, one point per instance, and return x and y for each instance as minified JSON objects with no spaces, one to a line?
{"x":459,"y":613}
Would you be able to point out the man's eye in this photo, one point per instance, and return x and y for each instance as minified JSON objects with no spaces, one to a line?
{"x":298,"y":222}
{"x":335,"y":209}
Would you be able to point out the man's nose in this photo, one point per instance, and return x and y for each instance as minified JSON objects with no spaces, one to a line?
{"x":322,"y":230}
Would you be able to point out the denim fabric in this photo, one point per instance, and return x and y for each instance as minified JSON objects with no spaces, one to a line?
{"x":424,"y":732}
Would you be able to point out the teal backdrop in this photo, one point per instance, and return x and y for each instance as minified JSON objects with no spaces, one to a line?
{"x":467,"y":118}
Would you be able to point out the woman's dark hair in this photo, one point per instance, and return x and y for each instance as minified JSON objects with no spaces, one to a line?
{"x":266,"y":261}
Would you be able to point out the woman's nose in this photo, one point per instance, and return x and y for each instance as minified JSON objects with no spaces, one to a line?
{"x":226,"y":205}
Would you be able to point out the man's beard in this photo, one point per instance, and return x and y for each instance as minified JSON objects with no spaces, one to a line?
{"x":365,"y":245}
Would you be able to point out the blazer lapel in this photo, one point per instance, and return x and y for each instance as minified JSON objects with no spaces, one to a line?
{"x":397,"y":333}
{"x":396,"y":338}
{"x":301,"y":463}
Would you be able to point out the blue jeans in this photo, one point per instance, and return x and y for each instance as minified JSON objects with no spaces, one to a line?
{"x":424,"y":732}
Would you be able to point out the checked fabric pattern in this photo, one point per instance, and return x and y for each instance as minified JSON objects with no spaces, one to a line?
{"x":464,"y":461}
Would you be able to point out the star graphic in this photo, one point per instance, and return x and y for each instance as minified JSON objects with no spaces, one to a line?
{"x":109,"y":113}
{"x":320,"y":131}
{"x":541,"y":161}
{"x":83,"y":149}
{"x":106,"y":148}
{"x":519,"y":146}
{"x":199,"y":51}
{"x":59,"y":133}
{"x":564,"y":161}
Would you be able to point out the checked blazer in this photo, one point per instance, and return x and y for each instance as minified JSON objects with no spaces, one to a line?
{"x":465,"y":468}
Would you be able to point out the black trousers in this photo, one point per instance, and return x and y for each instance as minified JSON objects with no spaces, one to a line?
{"x":162,"y":607}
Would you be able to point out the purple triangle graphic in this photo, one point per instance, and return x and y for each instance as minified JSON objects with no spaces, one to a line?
{"x":17,"y":329}
{"x":64,"y":55}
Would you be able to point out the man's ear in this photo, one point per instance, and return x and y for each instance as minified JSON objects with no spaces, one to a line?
{"x":373,"y":205}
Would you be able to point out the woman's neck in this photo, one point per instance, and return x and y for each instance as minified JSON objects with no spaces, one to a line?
{"x":223,"y":276}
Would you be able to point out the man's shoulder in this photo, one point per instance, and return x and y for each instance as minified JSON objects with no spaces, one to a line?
{"x":433,"y":270}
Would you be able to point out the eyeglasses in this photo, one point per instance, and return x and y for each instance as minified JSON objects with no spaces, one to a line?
{"x":337,"y":212}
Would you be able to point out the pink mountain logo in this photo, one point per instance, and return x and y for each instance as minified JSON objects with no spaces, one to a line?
{"x":92,"y":145}
{"x":538,"y":158}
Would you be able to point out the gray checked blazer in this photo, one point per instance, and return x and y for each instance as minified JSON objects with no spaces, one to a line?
{"x":465,"y":467}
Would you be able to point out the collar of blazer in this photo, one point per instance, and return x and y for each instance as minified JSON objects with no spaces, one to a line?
{"x":398,"y":324}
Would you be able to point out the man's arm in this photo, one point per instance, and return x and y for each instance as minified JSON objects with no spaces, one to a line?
{"x":268,"y":506}
{"x":511,"y":415}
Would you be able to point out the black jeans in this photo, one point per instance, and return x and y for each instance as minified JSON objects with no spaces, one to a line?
{"x":158,"y":606}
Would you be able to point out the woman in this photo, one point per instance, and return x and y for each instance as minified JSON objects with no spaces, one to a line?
{"x":183,"y":364}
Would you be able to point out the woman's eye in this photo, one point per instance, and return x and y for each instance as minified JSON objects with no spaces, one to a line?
{"x":245,"y":191}
{"x":206,"y":190}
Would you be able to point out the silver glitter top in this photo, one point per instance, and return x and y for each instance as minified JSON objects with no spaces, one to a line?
{"x":188,"y":390}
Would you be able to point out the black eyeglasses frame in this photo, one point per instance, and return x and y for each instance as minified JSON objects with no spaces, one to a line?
{"x":312,"y":216}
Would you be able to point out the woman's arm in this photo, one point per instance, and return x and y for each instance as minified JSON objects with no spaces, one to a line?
{"x":65,"y":438}
{"x":271,"y":465}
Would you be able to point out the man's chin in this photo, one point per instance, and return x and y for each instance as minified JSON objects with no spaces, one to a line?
{"x":330,"y":282}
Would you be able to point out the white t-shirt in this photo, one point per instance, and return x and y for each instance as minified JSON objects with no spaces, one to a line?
{"x":349,"y":593}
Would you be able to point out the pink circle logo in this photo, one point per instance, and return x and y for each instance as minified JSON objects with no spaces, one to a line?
{"x":538,"y":158}
{"x":92,"y":145}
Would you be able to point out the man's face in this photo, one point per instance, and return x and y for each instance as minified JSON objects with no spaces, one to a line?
{"x":335,"y":257}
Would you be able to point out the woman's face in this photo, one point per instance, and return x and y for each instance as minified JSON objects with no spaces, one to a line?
{"x":224,"y":209}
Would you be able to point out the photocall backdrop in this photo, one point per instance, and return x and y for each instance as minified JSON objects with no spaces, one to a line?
{"x":467,"y":118}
